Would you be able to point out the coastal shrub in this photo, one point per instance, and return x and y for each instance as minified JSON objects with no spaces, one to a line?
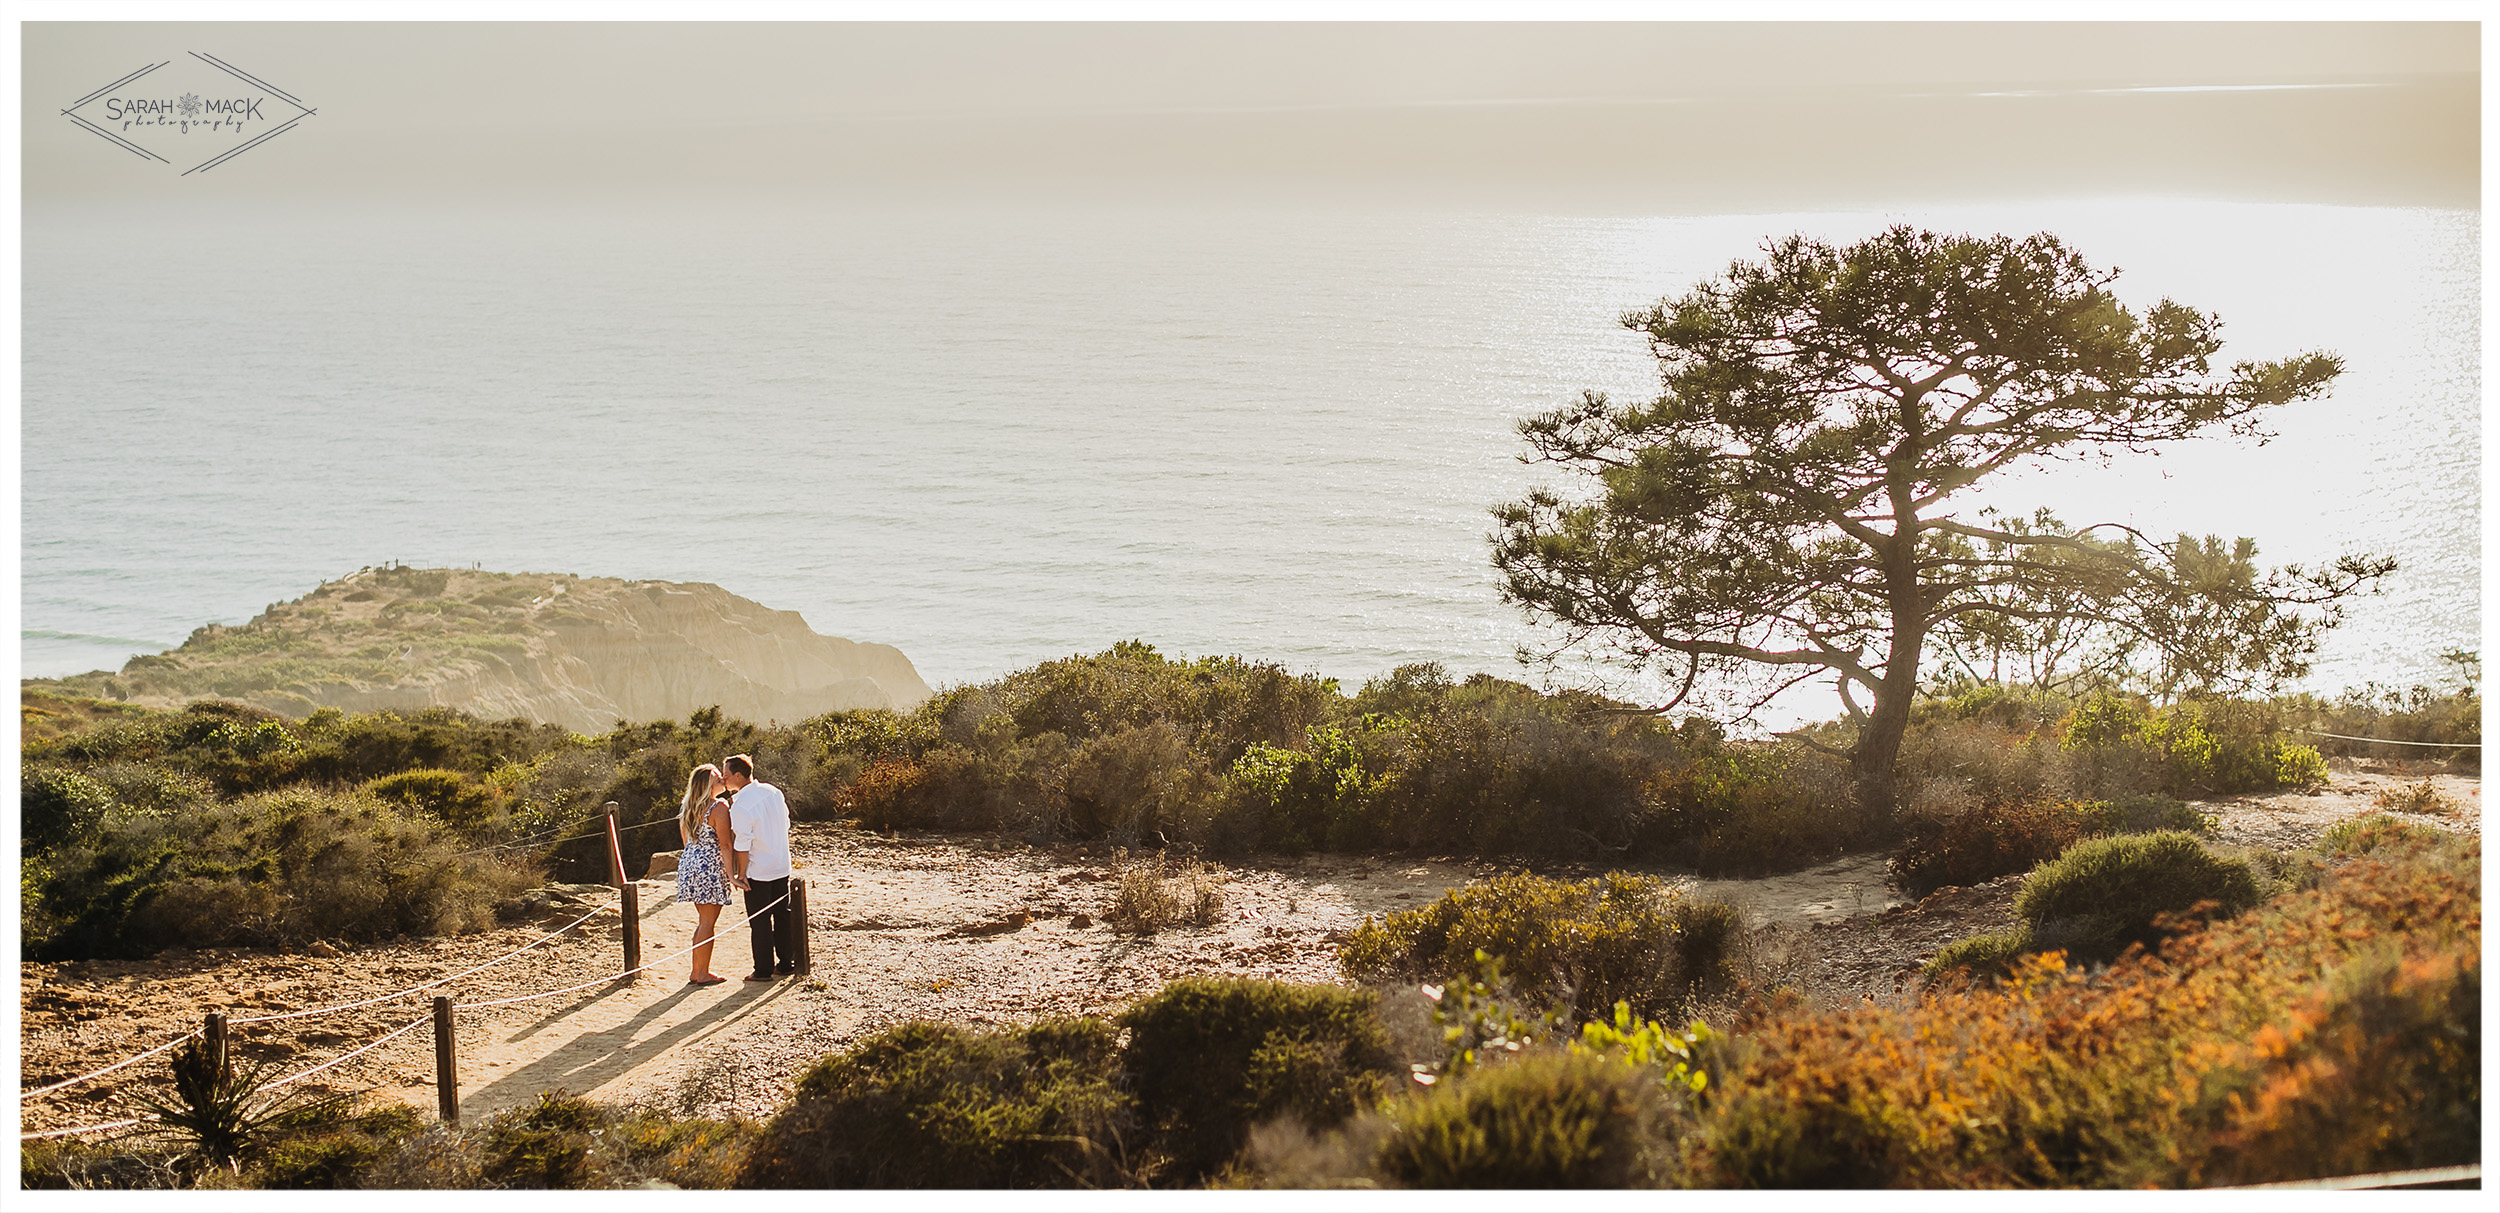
{"x":563,"y":1142}
{"x":1220,"y":705}
{"x":335,"y":1154}
{"x":2428,"y":716}
{"x":1555,"y":1119}
{"x":1126,"y":787}
{"x":2366,"y":834}
{"x":2377,"y":1072}
{"x":56,"y":804}
{"x":1983,"y":843}
{"x":2142,"y":815}
{"x":544,"y":1145}
{"x":1728,"y":809}
{"x":1319,"y":796}
{"x":323,"y":1144}
{"x":2299,"y":766}
{"x":1209,"y":1058}
{"x":2330,"y":1031}
{"x":929,"y":1105}
{"x":1978,"y":956}
{"x":2100,"y":896}
{"x":275,"y":868}
{"x":447,"y":795}
{"x":1493,"y":768}
{"x":1584,"y":944}
{"x":2105,"y":894}
{"x":2121,"y":747}
{"x":1950,"y":762}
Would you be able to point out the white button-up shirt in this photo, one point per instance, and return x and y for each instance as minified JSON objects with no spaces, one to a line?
{"x":762,"y":819}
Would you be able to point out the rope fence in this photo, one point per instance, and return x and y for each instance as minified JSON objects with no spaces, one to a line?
{"x":385,"y":1038}
{"x":600,"y":981}
{"x":115,"y":1124}
{"x":217,"y":1025}
{"x":2436,"y":745}
{"x":71,"y":1082}
{"x":532,"y":839}
{"x":349,"y":1006}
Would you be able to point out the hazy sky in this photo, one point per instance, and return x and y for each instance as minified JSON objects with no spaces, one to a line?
{"x":1665,"y":115}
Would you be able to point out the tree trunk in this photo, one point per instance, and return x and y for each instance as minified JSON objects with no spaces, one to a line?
{"x":1880,"y":743}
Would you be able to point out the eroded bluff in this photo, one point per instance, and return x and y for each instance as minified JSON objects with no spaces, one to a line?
{"x":582,"y":652}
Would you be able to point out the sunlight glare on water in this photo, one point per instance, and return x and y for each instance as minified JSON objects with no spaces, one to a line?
{"x":993,"y":436}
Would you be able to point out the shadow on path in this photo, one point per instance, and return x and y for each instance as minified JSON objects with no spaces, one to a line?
{"x":590,"y":1060}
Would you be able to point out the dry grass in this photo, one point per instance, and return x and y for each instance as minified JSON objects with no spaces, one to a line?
{"x":1155,"y":894}
{"x":2423,"y":797}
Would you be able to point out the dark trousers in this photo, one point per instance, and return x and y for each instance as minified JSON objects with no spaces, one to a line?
{"x":769,"y":932}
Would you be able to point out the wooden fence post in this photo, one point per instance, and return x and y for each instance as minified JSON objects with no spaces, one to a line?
{"x":213,"y":1038}
{"x":633,"y":928}
{"x":446,"y":1062}
{"x":804,"y":960}
{"x":616,"y":849}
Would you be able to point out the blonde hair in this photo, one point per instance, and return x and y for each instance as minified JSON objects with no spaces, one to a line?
{"x":698,"y":804}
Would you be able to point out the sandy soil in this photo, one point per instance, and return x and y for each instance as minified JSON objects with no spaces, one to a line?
{"x":969,"y":930}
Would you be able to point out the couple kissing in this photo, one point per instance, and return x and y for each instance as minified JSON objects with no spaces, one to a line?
{"x":736,"y":830}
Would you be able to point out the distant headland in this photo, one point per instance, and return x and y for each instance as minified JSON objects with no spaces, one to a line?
{"x":582,"y":652}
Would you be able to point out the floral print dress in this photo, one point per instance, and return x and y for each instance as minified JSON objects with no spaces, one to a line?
{"x":700,"y":880}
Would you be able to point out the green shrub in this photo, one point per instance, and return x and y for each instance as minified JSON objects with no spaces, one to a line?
{"x":56,"y":805}
{"x":1984,"y":843}
{"x":335,"y":1156}
{"x":928,"y":1105}
{"x":2424,"y":716}
{"x":563,"y":1142}
{"x":545,"y":1145}
{"x":2142,"y":815}
{"x":1547,"y":1120}
{"x":2105,"y":894}
{"x":1209,"y":1058}
{"x":283,"y":867}
{"x":2299,"y":766}
{"x":1982,"y":956}
{"x":1592,"y":943}
{"x":1126,"y":787}
{"x":2201,"y":745}
{"x":2363,"y":835}
{"x":1732,"y":809}
{"x":447,"y":795}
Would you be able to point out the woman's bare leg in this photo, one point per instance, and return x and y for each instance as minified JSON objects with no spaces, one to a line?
{"x":704,"y":917}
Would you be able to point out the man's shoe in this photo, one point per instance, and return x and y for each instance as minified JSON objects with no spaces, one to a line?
{"x":759,"y":977}
{"x":785,"y":970}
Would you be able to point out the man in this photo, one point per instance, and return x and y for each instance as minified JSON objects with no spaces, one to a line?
{"x":760,"y":866}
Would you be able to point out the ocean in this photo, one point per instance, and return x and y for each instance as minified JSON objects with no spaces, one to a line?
{"x":996,"y":433}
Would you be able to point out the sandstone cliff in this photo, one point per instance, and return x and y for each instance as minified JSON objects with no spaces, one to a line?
{"x":582,"y":652}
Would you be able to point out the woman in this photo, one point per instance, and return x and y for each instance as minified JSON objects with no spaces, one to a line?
{"x":703,"y":825}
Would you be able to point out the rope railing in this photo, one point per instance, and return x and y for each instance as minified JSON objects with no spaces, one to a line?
{"x":385,"y":1038}
{"x":2436,"y":745}
{"x":273,"y":1085}
{"x":136,"y":1057}
{"x":112,"y":1124}
{"x":600,"y":981}
{"x":349,"y":1006}
{"x":217,"y":1025}
{"x":345,"y":1006}
{"x":506,"y":846}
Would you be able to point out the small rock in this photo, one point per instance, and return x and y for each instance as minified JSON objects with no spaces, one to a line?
{"x":1080,"y":922}
{"x":321,"y":949}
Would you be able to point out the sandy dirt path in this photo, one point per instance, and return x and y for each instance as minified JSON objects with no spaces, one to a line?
{"x":943,"y":927}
